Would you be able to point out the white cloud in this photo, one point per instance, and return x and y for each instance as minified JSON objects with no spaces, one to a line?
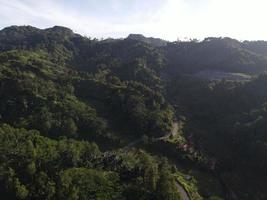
{"x":169,"y":19}
{"x":242,"y":19}
{"x":49,"y":13}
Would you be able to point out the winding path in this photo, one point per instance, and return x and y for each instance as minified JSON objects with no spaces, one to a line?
{"x":132,"y":144}
{"x":173,"y":132}
{"x":183,"y":193}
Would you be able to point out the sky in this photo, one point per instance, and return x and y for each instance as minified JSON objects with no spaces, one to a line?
{"x":166,"y":19}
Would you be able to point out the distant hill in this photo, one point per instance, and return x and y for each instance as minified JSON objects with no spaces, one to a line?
{"x":259,"y":47}
{"x":156,"y":42}
{"x":223,"y":54}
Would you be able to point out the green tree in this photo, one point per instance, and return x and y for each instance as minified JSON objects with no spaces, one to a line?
{"x":69,"y":127}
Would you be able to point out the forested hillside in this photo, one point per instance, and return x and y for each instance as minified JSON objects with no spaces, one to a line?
{"x":132,"y":118}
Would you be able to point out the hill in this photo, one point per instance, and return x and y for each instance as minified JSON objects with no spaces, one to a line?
{"x":136,"y":118}
{"x":156,"y":42}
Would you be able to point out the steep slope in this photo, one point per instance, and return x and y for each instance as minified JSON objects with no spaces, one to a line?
{"x":226,"y":120}
{"x":259,"y":47}
{"x":87,"y":77}
{"x":220,"y":54}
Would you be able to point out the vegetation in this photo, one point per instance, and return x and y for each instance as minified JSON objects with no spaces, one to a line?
{"x":88,"y":119}
{"x":35,"y":167}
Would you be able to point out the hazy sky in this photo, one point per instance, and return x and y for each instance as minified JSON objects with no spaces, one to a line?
{"x":168,"y":19}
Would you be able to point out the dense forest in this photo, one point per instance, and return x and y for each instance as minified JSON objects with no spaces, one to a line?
{"x":134,"y":118}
